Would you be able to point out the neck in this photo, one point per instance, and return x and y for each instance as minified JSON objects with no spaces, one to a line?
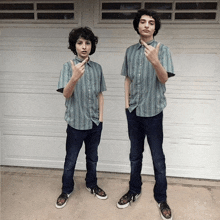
{"x":147,"y":39}
{"x":82,"y":58}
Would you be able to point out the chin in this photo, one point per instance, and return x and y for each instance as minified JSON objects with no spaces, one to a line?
{"x":84,"y":56}
{"x":146,"y":34}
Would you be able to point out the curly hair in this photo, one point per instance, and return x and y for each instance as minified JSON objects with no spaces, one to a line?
{"x":82,"y":32}
{"x":150,"y":13}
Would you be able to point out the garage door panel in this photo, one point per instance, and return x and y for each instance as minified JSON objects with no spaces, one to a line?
{"x":33,"y":151}
{"x":42,"y":61}
{"x":34,"y":105}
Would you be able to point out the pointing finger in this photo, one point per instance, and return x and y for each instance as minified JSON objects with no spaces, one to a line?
{"x":144,"y":43}
{"x":84,"y":61}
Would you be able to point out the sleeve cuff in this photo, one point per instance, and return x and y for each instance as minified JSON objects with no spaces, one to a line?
{"x":170,"y":74}
{"x":60,"y":90}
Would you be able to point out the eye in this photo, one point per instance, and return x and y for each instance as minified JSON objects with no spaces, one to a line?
{"x":88,"y":42}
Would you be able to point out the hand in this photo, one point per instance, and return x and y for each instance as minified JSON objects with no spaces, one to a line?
{"x":79,"y":69}
{"x":151,"y":53}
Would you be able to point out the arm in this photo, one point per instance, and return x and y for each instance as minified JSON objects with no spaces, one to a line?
{"x":127,"y":91}
{"x":68,"y":90}
{"x":77,"y":72}
{"x":151,"y":54}
{"x":162,"y":74}
{"x":101,"y":106}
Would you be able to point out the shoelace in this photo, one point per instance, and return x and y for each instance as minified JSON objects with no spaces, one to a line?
{"x":129,"y":196}
{"x":95,"y":190}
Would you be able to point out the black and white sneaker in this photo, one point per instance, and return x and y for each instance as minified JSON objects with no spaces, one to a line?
{"x":126,"y":199}
{"x":62,"y":200}
{"x":165,"y":211}
{"x":98,"y":192}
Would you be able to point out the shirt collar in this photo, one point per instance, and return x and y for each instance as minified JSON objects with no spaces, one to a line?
{"x":149,"y":43}
{"x":80,"y":60}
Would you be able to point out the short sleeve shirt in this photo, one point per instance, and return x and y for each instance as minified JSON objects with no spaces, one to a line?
{"x":82,"y":108}
{"x":147,"y":93}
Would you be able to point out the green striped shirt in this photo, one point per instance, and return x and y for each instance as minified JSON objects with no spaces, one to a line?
{"x":82,"y":108}
{"x":147,"y":93}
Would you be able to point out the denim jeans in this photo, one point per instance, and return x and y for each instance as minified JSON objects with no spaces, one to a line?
{"x":74,"y":142}
{"x":152,"y":127}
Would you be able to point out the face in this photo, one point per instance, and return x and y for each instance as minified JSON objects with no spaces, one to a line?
{"x":83,"y":48}
{"x":146,"y":27}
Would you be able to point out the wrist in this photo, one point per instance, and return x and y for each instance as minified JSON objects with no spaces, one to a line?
{"x":155,"y":63}
{"x":74,"y":80}
{"x":127,"y":104}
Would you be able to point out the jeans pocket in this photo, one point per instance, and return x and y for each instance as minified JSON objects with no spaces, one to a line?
{"x":100,"y":124}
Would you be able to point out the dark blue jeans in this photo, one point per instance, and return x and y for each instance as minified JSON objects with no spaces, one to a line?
{"x":152,"y":127}
{"x":74,"y":142}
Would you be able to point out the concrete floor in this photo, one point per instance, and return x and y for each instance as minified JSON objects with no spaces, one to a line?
{"x":31,"y":193}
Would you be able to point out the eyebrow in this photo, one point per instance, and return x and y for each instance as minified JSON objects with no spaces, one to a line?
{"x":83,"y":40}
{"x":151,"y":20}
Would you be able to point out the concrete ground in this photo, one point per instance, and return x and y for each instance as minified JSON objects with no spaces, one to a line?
{"x":31,"y":193}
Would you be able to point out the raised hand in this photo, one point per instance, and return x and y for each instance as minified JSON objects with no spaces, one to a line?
{"x":151,"y":53}
{"x":79,"y":69}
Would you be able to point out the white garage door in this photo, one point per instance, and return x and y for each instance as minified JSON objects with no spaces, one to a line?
{"x":34,"y":47}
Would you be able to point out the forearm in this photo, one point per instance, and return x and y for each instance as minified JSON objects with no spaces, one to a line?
{"x":68,"y":90}
{"x":127,"y":91}
{"x":101,"y":106}
{"x":161,"y":72}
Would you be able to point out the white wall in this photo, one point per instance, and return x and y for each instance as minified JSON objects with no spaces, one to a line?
{"x":33,"y":128}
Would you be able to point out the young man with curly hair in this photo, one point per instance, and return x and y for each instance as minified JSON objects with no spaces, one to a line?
{"x":147,"y":66}
{"x":82,"y":83}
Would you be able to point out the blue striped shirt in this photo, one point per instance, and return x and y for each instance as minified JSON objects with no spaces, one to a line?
{"x":82,"y":108}
{"x":147,"y":93}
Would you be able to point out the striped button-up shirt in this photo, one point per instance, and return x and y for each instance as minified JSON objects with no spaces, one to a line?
{"x":146,"y":91}
{"x":82,"y":108}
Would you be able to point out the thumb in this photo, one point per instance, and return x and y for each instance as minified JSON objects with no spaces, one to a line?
{"x":72,"y":64}
{"x":158,"y":47}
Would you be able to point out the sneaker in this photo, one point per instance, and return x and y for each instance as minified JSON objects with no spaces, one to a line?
{"x":62,"y":200}
{"x":165,"y":211}
{"x":98,"y":192}
{"x":126,"y":199}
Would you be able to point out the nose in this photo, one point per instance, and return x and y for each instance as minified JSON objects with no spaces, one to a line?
{"x":146,"y":24}
{"x":84,"y":45}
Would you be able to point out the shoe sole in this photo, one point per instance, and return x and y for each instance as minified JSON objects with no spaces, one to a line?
{"x":64,"y":204}
{"x":99,"y":197}
{"x":127,"y":204}
{"x":123,"y":206}
{"x":171,"y":218}
{"x":165,"y":218}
